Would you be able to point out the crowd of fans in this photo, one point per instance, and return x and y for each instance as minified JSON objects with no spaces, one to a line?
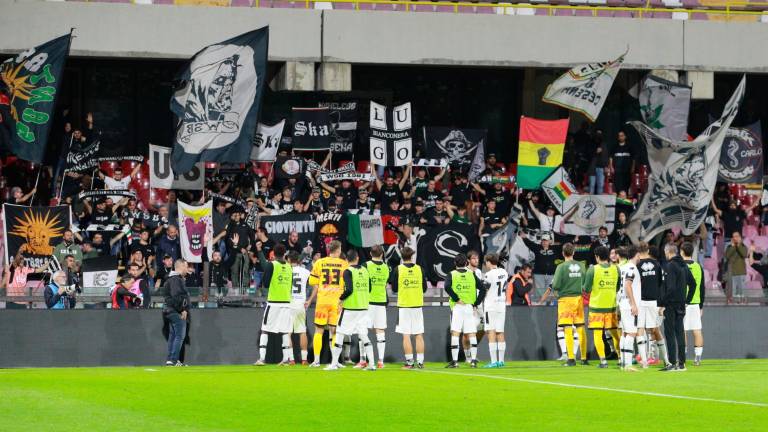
{"x":147,"y":240}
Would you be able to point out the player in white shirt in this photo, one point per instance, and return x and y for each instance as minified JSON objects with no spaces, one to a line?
{"x":474,"y":265}
{"x":495,"y":309}
{"x":629,"y":297}
{"x":299,"y":306}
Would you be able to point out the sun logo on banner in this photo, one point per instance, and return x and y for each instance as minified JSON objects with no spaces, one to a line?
{"x":18,"y":86}
{"x":38,"y":230}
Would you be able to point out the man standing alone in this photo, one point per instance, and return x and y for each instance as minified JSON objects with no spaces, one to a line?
{"x":176,"y":311}
{"x":677,"y":282}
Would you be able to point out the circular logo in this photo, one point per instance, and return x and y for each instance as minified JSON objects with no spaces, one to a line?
{"x":591,"y":213}
{"x":291,"y":167}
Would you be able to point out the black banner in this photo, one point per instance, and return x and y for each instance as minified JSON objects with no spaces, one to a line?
{"x":741,"y":159}
{"x":78,"y":157}
{"x":440,"y":245}
{"x":287,"y":167}
{"x":458,"y":146}
{"x":311,"y":129}
{"x":104,"y":193}
{"x":34,"y":231}
{"x":279,"y":227}
{"x":330,"y":227}
{"x":29,"y":83}
{"x":343,"y":117}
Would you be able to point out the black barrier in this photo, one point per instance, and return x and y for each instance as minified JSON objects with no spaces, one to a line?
{"x":43,"y":338}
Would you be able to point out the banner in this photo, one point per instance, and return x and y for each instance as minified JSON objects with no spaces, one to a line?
{"x":217,"y":106}
{"x":311,"y":129}
{"x":266,"y":142}
{"x":365,"y":230}
{"x":440,"y":245}
{"x":540,"y":151}
{"x":289,"y":167}
{"x":584,"y":88}
{"x":161,"y":175}
{"x":195,"y":231}
{"x":100,"y":273}
{"x":96,"y":162}
{"x":491,"y":179}
{"x":314,"y":166}
{"x":664,"y":106}
{"x":29,"y":83}
{"x":430,"y":163}
{"x":390,"y":142}
{"x":592,"y":212}
{"x":343,"y":117}
{"x":558,"y":188}
{"x":518,"y":255}
{"x":279,"y":227}
{"x":330,"y":227}
{"x":391,"y":225}
{"x":34,"y":231}
{"x":354,"y":176}
{"x":741,"y":160}
{"x":78,"y":159}
{"x":106,"y":193}
{"x":683,"y":176}
{"x":458,"y":146}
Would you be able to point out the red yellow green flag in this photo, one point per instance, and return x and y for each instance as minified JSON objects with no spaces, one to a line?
{"x":541,"y":150}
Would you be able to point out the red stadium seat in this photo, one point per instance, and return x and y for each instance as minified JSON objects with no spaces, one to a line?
{"x":342,"y":163}
{"x":363,"y":166}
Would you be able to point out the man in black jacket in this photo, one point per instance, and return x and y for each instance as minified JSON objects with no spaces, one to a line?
{"x":176,"y":311}
{"x":676,"y":292}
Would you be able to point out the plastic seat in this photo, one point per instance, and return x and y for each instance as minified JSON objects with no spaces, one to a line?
{"x":341,"y":163}
{"x":583,"y":12}
{"x":343,"y":6}
{"x":363,"y":166}
{"x":241,"y":3}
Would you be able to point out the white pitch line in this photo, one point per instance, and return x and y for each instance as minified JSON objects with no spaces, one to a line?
{"x":607,"y":389}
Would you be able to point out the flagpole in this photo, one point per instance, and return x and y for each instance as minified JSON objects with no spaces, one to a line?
{"x":39,"y":170}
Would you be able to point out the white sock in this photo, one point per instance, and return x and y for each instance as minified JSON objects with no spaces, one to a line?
{"x":653,"y":349}
{"x":698,"y":351}
{"x":467,"y":353}
{"x":420,"y":358}
{"x":381,"y":344}
{"x":642,"y":347}
{"x":455,"y":348}
{"x":622,"y":338}
{"x":493,"y":350}
{"x":367,"y":347}
{"x":263,"y":346}
{"x":361,"y":349}
{"x":473,"y":347}
{"x":346,"y":347}
{"x":502,"y":350}
{"x":663,"y":351}
{"x":629,"y":349}
{"x":303,"y":355}
{"x":575,"y":342}
{"x":336,"y":350}
{"x":561,"y":341}
{"x":287,"y":351}
{"x":409,"y":358}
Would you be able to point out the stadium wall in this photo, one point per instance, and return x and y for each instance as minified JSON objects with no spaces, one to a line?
{"x":41,"y":338}
{"x":167,"y":32}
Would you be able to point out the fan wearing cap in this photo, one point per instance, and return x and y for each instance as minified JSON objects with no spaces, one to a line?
{"x":490,"y":165}
{"x":491,"y":219}
{"x":550,"y":221}
{"x":364,"y":200}
{"x":315,"y":204}
{"x":543,"y":264}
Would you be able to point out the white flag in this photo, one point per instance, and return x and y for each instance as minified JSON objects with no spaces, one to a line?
{"x":391,"y":146}
{"x":683,"y":176}
{"x":592,"y":213}
{"x":266,"y":141}
{"x":161,"y":175}
{"x":195,"y":231}
{"x":584,"y":88}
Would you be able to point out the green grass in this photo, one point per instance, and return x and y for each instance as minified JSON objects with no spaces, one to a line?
{"x":522,"y":396}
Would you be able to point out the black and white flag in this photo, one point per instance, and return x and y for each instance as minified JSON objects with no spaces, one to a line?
{"x":741,"y":160}
{"x":266,"y":142}
{"x":343,"y":117}
{"x":441,"y":244}
{"x":390,"y":141}
{"x":430,"y":163}
{"x":458,"y":146}
{"x":161,"y":175}
{"x":311,"y":129}
{"x":289,"y":167}
{"x":217,"y":105}
{"x":100,"y":273}
{"x":683,"y":176}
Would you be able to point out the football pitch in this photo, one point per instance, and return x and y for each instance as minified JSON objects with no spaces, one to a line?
{"x":722,"y":395}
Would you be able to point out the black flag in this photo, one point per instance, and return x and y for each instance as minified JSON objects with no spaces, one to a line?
{"x":29,"y":83}
{"x":311,"y":129}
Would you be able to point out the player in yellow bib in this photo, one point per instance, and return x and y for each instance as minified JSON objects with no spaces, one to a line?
{"x":602,"y":282}
{"x":327,"y":285}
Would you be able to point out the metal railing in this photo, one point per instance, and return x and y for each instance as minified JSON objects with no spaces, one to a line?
{"x":727,"y":10}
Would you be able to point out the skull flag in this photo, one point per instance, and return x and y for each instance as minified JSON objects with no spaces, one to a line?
{"x":391,"y":146}
{"x":196,"y":230}
{"x":683,"y":176}
{"x":217,"y":105}
{"x":457,"y":146}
